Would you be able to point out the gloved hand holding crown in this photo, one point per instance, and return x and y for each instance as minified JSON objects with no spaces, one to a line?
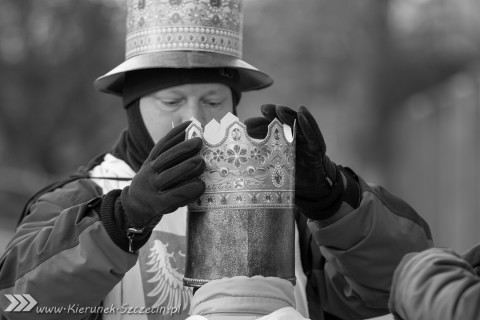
{"x":320,"y":185}
{"x":166,"y":180}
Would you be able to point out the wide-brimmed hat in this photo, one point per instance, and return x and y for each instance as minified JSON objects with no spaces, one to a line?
{"x":184,"y":34}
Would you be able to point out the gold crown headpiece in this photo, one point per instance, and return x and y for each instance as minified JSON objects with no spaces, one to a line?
{"x":243,"y":225}
{"x":243,"y":172}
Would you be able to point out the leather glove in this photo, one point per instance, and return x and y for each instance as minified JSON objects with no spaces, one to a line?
{"x":319,"y":186}
{"x":166,"y":180}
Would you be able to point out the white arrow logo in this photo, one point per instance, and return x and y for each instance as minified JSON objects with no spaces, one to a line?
{"x":20,"y":302}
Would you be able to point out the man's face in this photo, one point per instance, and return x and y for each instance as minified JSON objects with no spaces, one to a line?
{"x":174,"y":105}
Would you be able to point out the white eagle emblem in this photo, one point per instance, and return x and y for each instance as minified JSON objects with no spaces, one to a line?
{"x":169,"y":289}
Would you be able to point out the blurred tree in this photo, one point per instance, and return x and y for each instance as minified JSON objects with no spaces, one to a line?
{"x":51,"y":119}
{"x":356,"y":62}
{"x":418,"y":45}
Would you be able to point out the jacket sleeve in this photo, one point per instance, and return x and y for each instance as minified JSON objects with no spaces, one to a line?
{"x":62,"y":256}
{"x":435,"y":284}
{"x":360,"y":249}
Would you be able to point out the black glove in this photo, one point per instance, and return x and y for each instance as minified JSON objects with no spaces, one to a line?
{"x":319,"y":186}
{"x":166,"y":180}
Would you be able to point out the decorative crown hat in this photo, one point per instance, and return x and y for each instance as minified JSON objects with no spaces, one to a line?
{"x":184,"y":34}
{"x":243,"y":225}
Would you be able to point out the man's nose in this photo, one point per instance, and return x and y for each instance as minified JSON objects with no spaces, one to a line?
{"x":193,"y":110}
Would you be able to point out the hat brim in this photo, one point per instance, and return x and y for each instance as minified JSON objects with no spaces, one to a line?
{"x":250,"y":77}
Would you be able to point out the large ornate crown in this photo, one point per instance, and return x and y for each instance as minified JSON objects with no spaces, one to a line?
{"x":243,"y":225}
{"x":243,"y":172}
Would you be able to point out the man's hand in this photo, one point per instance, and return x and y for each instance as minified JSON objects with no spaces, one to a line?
{"x":166,"y":180}
{"x":319,"y":185}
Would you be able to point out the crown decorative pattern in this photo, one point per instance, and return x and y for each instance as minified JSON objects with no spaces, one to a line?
{"x":242,"y":172}
{"x":200,"y":25}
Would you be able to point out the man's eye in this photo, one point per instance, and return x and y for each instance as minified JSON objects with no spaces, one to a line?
{"x":213,"y":104}
{"x":171,"y":103}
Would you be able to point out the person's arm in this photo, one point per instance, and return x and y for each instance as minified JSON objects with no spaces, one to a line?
{"x":362,"y":247}
{"x":435,"y":284}
{"x":61,"y":255}
{"x":359,"y":232}
{"x":85,"y":247}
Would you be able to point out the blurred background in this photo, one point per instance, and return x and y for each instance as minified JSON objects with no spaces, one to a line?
{"x":393,"y":84}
